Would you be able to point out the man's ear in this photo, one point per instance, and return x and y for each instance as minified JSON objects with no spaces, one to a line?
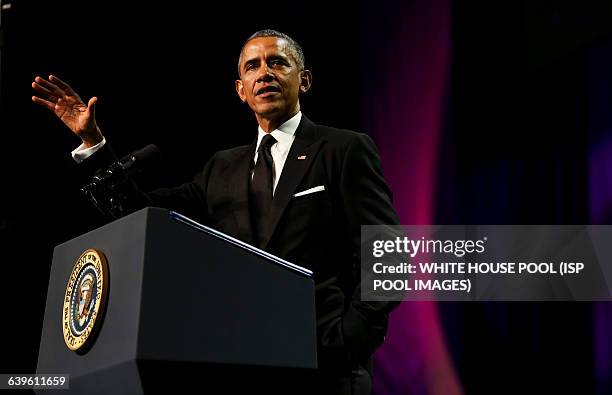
{"x":240,"y":90}
{"x":305,"y":81}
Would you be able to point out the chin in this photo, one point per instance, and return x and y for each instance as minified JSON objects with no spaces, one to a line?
{"x":267,"y":111}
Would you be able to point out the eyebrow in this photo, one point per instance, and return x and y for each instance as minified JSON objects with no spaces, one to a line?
{"x":271,"y":57}
{"x":278,"y":57}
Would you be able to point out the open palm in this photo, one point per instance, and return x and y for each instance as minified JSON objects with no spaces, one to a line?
{"x":59,"y":97}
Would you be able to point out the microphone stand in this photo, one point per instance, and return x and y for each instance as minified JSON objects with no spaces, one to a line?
{"x":109,"y":189}
{"x":105,"y":190}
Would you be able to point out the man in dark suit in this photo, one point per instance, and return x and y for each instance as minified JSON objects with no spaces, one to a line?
{"x":300,"y":191}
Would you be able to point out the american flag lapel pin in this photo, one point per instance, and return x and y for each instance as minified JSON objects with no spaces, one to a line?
{"x":301,"y":157}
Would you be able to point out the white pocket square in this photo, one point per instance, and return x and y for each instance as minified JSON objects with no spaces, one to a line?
{"x":311,"y":190}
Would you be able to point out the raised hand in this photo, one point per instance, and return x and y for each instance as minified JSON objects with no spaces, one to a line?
{"x":58,"y":96}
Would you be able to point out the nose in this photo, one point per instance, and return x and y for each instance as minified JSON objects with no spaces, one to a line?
{"x":264,"y":74}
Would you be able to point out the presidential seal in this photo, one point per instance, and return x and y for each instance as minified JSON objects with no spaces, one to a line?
{"x":85,"y":299}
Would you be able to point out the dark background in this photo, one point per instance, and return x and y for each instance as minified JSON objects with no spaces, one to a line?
{"x":516,"y":147}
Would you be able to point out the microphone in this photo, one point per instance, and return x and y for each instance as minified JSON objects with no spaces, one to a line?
{"x":109,"y":187}
{"x":138,"y":160}
{"x":129,"y":164}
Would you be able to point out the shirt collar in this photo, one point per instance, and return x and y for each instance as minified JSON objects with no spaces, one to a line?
{"x":284,"y":134}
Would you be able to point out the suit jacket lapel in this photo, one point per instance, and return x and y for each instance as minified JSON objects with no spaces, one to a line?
{"x":239,"y":190}
{"x":305,"y":147}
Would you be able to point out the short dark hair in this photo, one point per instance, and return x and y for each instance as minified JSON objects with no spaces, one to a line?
{"x":298,"y":53}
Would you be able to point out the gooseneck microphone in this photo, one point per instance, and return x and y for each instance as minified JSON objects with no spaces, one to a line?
{"x":110,"y":188}
{"x":138,"y":160}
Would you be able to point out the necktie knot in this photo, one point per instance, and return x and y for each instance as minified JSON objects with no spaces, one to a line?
{"x":267,"y":142}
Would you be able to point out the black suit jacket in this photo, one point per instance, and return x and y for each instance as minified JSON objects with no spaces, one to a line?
{"x":319,"y":231}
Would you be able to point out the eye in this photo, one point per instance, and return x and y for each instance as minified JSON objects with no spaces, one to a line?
{"x":251,"y":65}
{"x":277,"y":62}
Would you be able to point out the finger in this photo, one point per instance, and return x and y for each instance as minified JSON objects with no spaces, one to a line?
{"x":91,"y":106}
{"x":64,"y":86}
{"x":44,"y":91}
{"x":50,"y":86}
{"x":43,"y":102}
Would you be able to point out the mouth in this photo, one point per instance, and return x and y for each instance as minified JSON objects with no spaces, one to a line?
{"x":267,"y":91}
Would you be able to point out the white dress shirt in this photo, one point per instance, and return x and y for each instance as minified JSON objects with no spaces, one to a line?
{"x":81,"y":153}
{"x":284,"y":135}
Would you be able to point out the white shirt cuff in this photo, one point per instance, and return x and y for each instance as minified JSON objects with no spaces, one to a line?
{"x":81,"y":153}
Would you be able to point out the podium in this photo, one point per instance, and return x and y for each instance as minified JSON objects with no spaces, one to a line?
{"x":187,"y":308}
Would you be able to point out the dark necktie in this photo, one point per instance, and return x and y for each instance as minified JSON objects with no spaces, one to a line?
{"x":261,"y":188}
